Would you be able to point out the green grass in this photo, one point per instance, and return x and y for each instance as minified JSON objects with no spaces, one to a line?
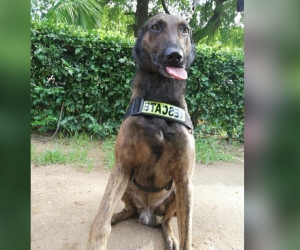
{"x":75,"y":151}
{"x":65,"y":151}
{"x":108,"y":147}
{"x":208,"y":151}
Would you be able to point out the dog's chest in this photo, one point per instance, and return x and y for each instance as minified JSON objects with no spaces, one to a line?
{"x":164,"y":149}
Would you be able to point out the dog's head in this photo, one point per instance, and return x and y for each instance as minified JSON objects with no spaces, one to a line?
{"x":165,"y":46}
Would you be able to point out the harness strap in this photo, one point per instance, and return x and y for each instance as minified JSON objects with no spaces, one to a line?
{"x":150,"y":189}
{"x":161,"y":110}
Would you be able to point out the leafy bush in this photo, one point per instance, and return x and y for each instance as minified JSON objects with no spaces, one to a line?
{"x":215,"y":91}
{"x":92,"y":72}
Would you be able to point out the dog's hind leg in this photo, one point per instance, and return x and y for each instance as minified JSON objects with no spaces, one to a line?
{"x":101,"y":226}
{"x":127,"y":212}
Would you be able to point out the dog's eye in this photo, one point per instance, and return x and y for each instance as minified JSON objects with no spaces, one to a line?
{"x":186,"y":30}
{"x":155,"y":27}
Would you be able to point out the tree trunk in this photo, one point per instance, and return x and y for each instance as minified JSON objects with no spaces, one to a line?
{"x":163,"y":3}
{"x":213,"y":23}
{"x":141,"y":15}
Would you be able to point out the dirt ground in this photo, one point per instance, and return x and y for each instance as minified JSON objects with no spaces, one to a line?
{"x":65,"y":199}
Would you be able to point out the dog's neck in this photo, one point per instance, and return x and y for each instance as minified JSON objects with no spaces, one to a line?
{"x":155,"y":87}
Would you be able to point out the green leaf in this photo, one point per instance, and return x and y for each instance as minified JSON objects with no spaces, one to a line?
{"x":78,"y":50}
{"x":70,"y":71}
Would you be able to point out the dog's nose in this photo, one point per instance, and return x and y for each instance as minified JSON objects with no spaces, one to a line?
{"x":173,"y":56}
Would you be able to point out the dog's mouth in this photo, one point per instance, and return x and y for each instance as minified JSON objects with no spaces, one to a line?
{"x":171,"y":71}
{"x":178,"y":73}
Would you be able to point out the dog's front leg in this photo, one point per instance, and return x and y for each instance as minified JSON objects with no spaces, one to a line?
{"x":101,"y":226}
{"x":184,"y":193}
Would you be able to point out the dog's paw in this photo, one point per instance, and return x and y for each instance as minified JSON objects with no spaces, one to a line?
{"x":94,"y":246}
{"x":171,"y":244}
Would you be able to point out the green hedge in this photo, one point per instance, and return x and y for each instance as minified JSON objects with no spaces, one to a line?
{"x":92,"y":72}
{"x":215,"y":91}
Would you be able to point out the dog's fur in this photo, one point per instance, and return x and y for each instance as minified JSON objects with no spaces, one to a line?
{"x":152,"y":150}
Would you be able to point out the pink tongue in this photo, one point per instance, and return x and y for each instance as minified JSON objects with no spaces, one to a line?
{"x":178,"y":73}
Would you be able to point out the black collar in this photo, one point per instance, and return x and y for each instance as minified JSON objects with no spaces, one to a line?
{"x":150,"y":189}
{"x":160,"y":110}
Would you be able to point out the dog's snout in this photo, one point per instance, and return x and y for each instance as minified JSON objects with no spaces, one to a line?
{"x":173,"y":56}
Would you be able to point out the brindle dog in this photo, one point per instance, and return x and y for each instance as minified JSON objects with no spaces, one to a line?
{"x":151,"y":152}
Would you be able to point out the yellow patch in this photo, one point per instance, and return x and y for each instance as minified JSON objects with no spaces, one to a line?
{"x":164,"y":110}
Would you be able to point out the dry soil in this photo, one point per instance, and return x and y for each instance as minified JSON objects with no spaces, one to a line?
{"x":65,"y":199}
